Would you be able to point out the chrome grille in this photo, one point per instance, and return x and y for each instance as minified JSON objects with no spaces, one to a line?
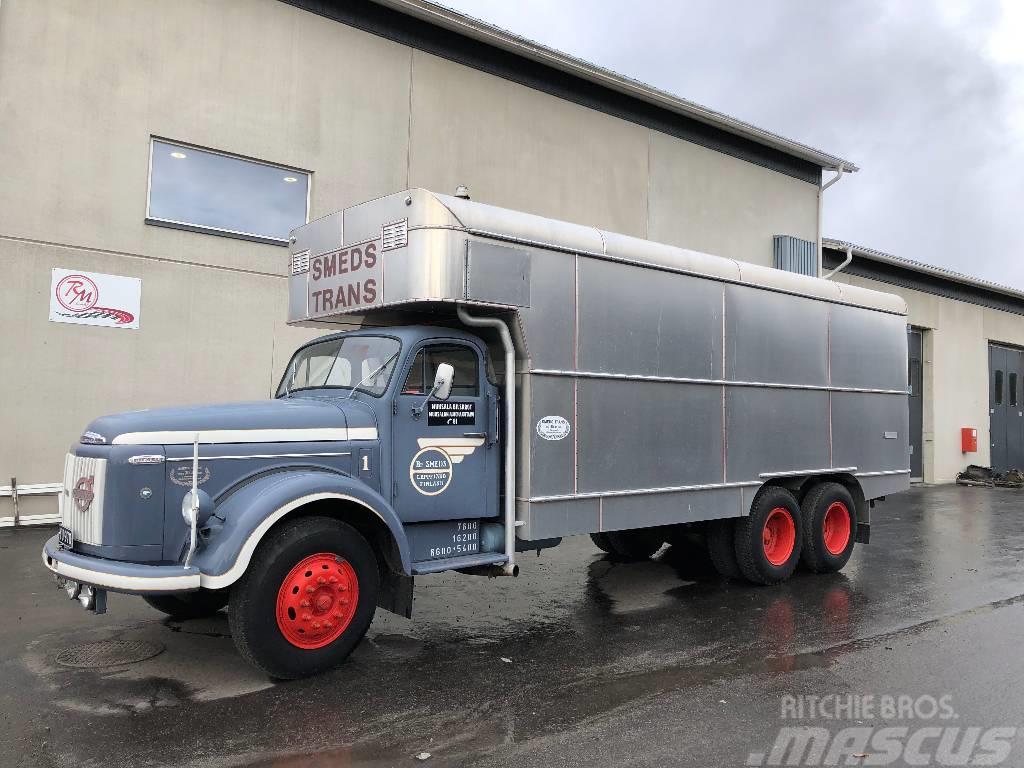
{"x":81,"y":502}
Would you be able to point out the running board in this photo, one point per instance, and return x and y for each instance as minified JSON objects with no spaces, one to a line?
{"x":454,"y":563}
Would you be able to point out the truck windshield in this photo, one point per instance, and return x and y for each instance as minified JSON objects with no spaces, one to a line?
{"x":362,"y":362}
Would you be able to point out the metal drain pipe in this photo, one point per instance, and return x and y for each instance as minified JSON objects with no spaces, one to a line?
{"x":840,"y":170}
{"x":510,"y":568}
{"x":841,"y":267}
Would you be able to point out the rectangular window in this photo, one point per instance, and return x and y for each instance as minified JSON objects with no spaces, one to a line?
{"x":221,"y":194}
{"x":999,"y":388}
{"x":1013,"y":389}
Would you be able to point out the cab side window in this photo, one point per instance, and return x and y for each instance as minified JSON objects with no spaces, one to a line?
{"x":464,"y":360}
{"x":414,"y":381}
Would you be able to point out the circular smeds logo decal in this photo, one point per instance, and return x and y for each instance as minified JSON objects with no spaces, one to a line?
{"x":431,"y":471}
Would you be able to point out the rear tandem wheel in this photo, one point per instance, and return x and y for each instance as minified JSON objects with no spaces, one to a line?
{"x":768,"y":541}
{"x":830,"y":526}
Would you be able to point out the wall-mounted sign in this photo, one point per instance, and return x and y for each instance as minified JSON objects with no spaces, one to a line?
{"x":90,"y":298}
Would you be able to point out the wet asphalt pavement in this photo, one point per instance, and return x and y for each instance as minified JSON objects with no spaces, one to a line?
{"x":579,"y":661}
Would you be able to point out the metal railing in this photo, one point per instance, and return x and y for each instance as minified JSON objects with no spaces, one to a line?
{"x":14,"y":491}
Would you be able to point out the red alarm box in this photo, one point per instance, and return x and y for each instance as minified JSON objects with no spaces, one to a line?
{"x":968,"y":440}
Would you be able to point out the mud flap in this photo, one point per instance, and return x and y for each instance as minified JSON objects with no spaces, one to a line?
{"x":863,"y":533}
{"x":395,"y":593}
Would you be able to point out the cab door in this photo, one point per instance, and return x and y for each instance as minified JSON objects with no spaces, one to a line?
{"x":445,"y":454}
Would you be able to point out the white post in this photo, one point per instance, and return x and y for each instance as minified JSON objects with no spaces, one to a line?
{"x":193,"y":517}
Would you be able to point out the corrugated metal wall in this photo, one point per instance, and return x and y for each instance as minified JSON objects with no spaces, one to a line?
{"x":794,"y":255}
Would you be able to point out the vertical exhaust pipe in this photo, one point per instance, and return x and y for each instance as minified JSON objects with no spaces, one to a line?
{"x":510,"y":567}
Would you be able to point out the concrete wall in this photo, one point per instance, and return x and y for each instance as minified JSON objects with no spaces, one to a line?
{"x":700,"y":201}
{"x":955,"y":373}
{"x":84,"y":86}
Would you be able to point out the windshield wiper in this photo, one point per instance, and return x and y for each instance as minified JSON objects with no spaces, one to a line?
{"x":373,"y":373}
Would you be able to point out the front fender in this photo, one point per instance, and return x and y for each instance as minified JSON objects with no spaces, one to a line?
{"x":249,"y":513}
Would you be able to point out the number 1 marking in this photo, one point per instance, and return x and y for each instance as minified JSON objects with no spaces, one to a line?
{"x":366,"y":462}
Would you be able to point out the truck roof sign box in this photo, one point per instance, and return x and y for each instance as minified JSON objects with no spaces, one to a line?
{"x":430,"y":248}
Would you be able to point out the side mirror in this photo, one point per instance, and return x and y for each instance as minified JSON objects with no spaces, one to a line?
{"x":443,"y":381}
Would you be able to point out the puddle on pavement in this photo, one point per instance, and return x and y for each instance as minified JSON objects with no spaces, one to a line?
{"x":198,"y":663}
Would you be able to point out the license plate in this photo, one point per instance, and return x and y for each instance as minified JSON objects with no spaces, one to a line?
{"x":65,"y":539}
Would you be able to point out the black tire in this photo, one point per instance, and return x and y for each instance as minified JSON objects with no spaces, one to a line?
{"x":768,"y":541}
{"x":259,"y":633}
{"x":638,"y":544}
{"x":190,"y":605}
{"x":830,"y":528}
{"x":601,"y":542}
{"x":685,"y":536}
{"x":722,"y":549}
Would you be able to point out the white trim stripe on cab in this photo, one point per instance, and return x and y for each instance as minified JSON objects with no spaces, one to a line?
{"x":218,"y":436}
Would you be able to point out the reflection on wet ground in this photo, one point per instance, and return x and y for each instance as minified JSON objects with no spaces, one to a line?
{"x":587,"y":638}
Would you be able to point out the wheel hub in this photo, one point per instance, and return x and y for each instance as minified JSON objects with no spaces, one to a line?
{"x":778,"y":537}
{"x":836,"y":528}
{"x":317,"y":600}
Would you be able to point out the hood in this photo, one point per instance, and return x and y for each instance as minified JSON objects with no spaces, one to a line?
{"x":297,"y":419}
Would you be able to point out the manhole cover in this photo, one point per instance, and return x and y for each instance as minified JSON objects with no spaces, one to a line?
{"x":108,"y":653}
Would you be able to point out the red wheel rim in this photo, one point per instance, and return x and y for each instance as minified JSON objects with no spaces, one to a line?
{"x":836,"y":528}
{"x":317,"y":600}
{"x":778,"y":536}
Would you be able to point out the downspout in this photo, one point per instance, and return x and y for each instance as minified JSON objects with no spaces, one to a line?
{"x":510,"y":568}
{"x":841,"y":267}
{"x":821,"y":205}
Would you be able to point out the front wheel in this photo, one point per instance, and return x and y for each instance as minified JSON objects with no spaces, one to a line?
{"x":306,"y":599}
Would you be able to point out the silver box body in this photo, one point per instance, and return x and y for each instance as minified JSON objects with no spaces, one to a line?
{"x":655,"y":384}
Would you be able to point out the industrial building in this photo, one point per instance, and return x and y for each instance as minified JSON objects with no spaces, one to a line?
{"x":160,"y":153}
{"x":965,"y":367}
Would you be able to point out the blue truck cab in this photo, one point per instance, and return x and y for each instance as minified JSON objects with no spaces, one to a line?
{"x":509,"y":380}
{"x":357,"y":433}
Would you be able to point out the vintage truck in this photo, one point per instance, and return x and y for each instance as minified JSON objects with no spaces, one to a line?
{"x":506,"y":380}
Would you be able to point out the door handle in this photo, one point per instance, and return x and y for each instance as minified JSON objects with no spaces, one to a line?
{"x":474,"y":434}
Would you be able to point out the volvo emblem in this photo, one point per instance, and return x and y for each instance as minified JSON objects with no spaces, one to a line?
{"x":82,"y":494}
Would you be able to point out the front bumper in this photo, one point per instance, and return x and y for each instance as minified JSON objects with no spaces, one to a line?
{"x":133,"y":578}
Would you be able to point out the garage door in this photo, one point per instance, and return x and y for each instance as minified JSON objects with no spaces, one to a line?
{"x":916,"y":400}
{"x":1006,"y":410}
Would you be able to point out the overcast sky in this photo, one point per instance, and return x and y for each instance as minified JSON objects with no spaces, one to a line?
{"x":926,"y":97}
